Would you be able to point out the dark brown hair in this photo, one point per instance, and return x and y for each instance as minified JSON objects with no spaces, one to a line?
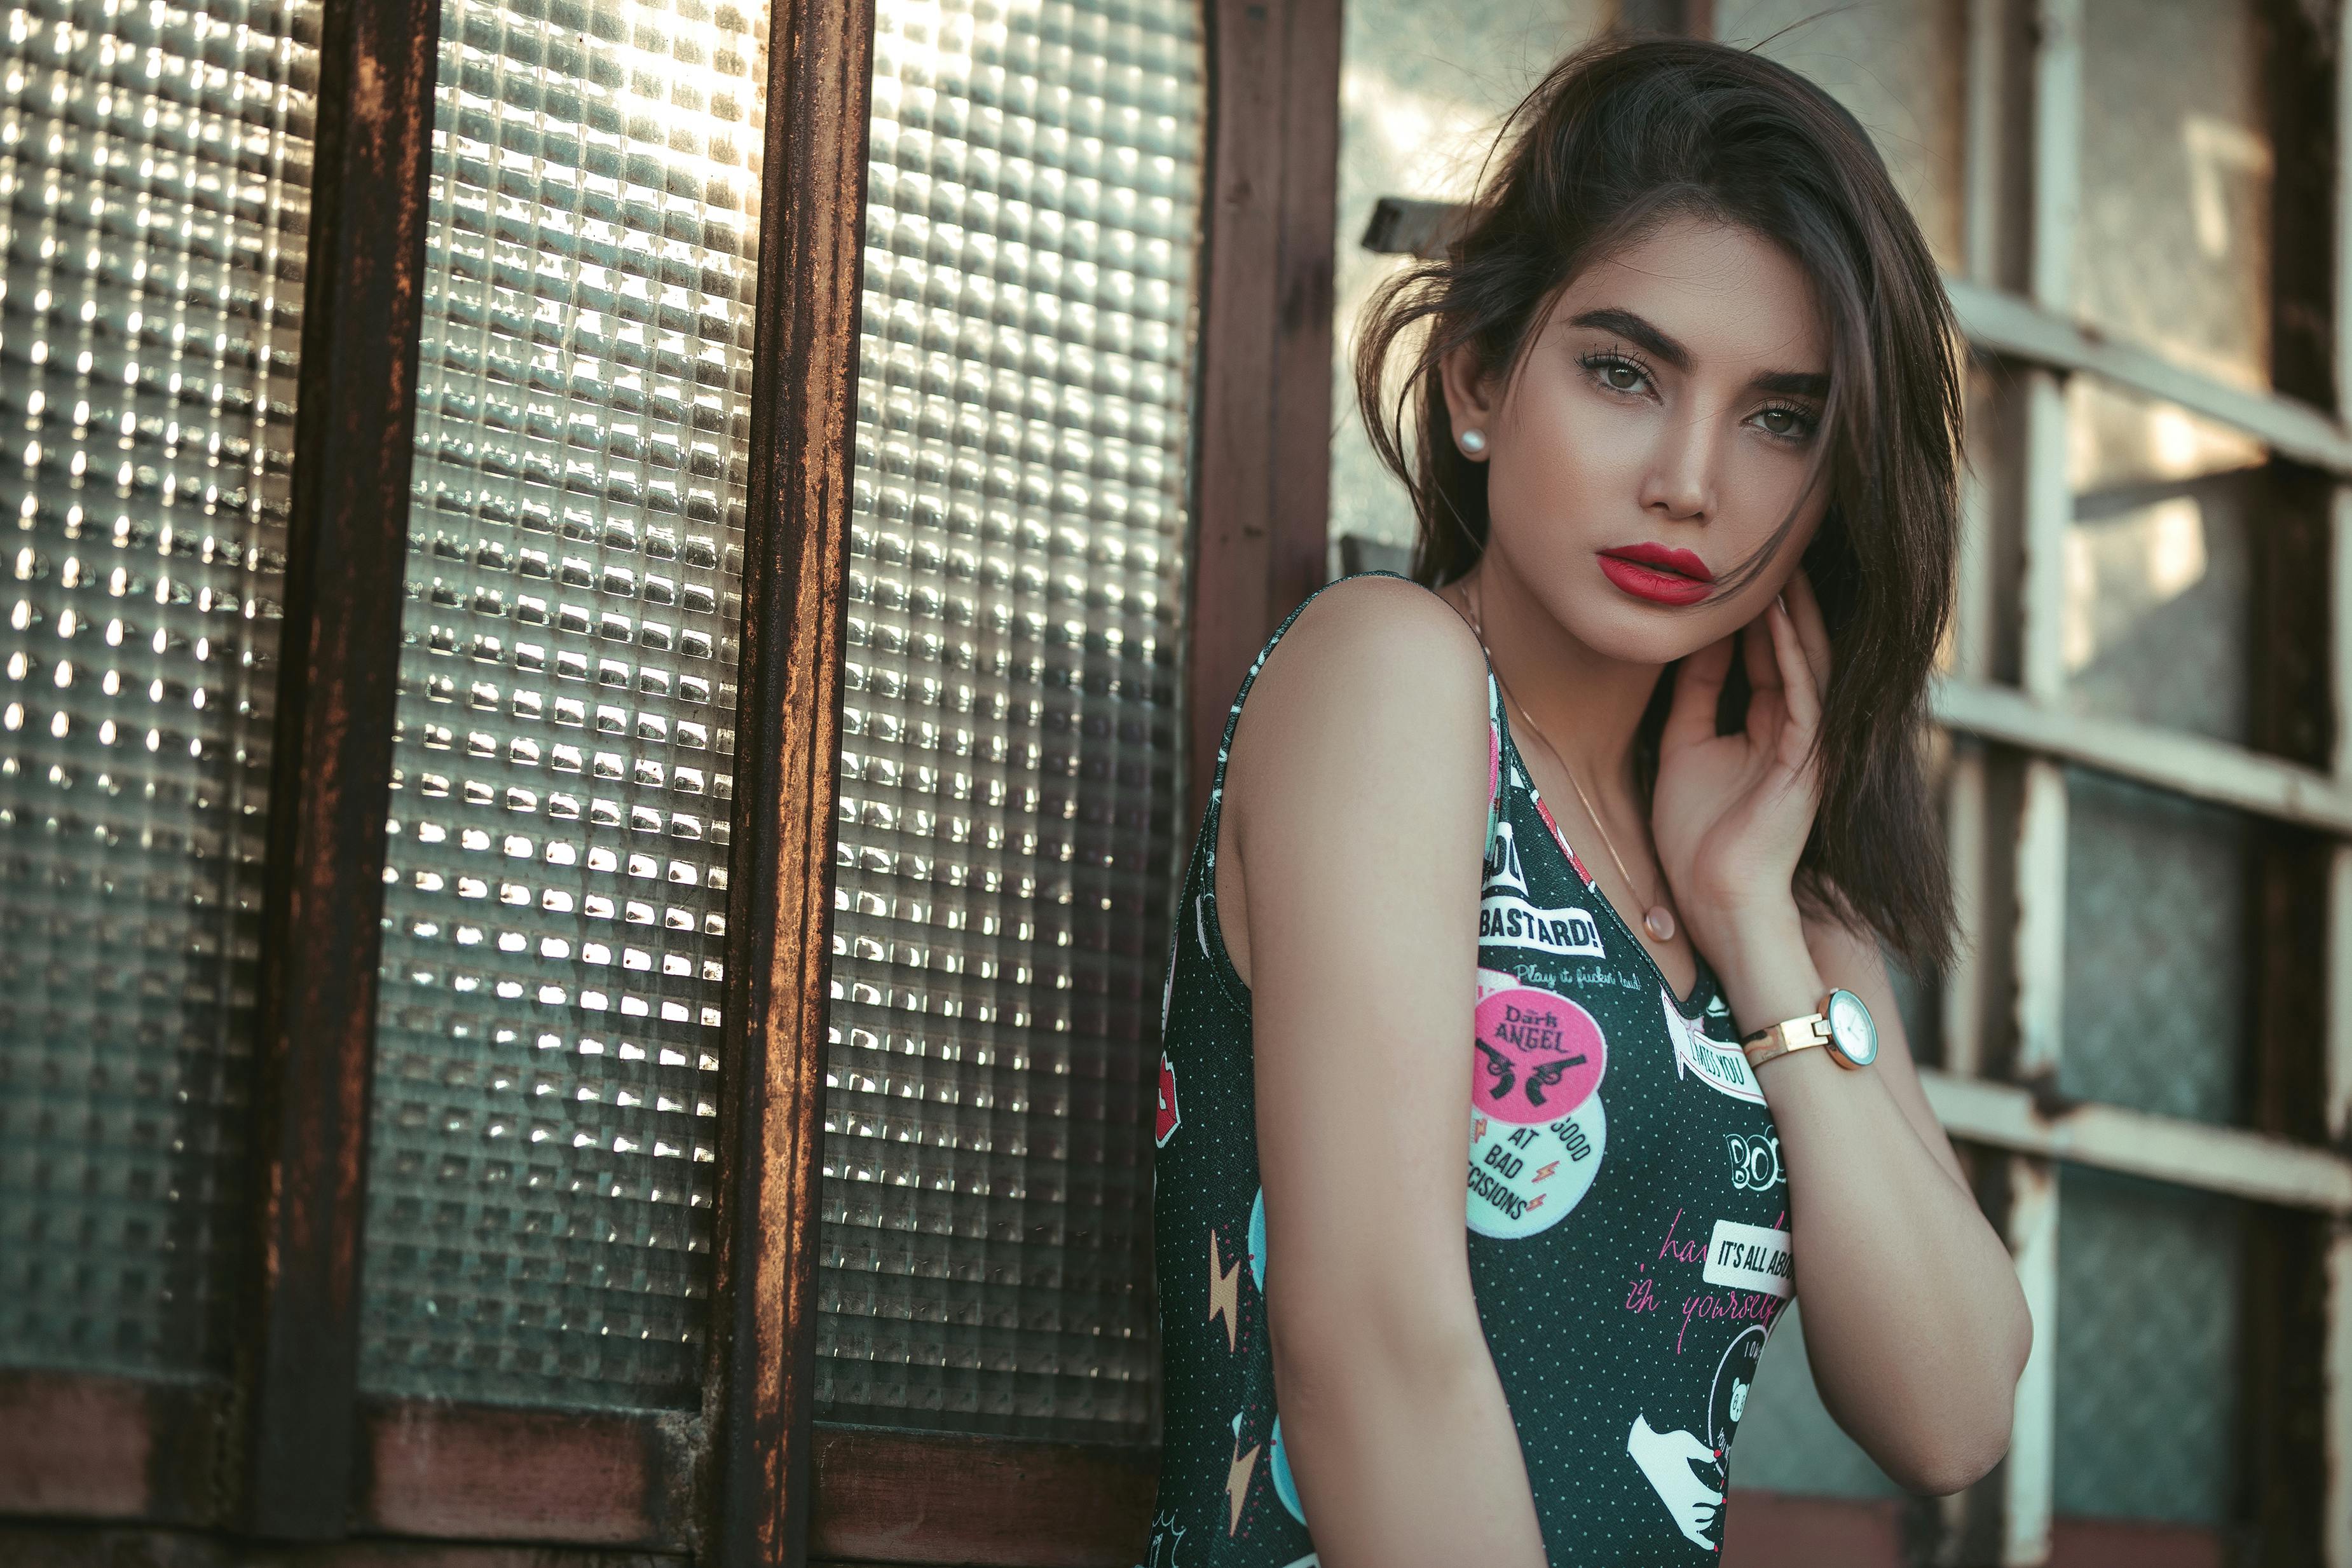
{"x":1617,"y":139}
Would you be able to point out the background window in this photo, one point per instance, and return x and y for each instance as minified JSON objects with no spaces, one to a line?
{"x":1421,"y":89}
{"x":154,"y":169}
{"x":1010,"y":776}
{"x":542,"y":1157}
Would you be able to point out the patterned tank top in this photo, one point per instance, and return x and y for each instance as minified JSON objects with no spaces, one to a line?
{"x":1627,"y":1218}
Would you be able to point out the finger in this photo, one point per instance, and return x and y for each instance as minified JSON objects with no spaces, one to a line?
{"x":1698,"y":689}
{"x":1812,"y":630}
{"x":1801,"y":696}
{"x":1756,"y":645}
{"x":1765,"y":708}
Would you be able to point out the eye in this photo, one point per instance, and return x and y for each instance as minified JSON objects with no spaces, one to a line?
{"x":1789,"y":423}
{"x":1616,"y":371}
{"x":1618,"y":375}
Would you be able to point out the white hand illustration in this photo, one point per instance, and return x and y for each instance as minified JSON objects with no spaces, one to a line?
{"x":1665,"y":1457}
{"x":1167,"y":1534}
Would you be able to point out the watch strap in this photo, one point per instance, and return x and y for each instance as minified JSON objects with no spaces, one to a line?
{"x":1771,"y":1043}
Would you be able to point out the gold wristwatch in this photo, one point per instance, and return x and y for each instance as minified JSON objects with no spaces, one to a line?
{"x":1843,"y":1026}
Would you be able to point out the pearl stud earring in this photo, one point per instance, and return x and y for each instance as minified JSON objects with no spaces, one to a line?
{"x":1474,"y":441}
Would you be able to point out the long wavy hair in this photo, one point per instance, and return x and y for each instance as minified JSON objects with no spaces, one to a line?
{"x":1617,"y":139}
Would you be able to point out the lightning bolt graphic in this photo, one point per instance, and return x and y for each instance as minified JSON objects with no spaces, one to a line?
{"x":1225,"y":1292}
{"x":1237,"y":1480}
{"x":1545,"y":1174}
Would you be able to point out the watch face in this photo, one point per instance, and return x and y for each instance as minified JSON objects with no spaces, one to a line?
{"x":1852,"y":1034}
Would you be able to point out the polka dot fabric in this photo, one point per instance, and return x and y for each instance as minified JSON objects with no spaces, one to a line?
{"x":1625,"y":1206}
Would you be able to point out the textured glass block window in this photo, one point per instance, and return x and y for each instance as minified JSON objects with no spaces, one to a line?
{"x":2159,"y":621}
{"x":546,"y":1087}
{"x":1009,"y":774}
{"x":2173,"y":238}
{"x":2150,"y":1324}
{"x":2159,"y":985}
{"x":154,"y":173}
{"x":2159,"y":563}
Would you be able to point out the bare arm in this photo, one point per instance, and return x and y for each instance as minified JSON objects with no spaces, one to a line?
{"x":1914,"y":1321}
{"x":1852,"y":963}
{"x":1354,"y":799}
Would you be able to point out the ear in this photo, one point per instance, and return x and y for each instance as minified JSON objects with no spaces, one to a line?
{"x":1468,"y":401}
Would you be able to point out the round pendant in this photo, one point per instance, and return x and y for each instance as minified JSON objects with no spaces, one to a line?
{"x":1660,"y":923}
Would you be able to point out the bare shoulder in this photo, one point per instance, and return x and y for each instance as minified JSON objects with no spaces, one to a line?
{"x":1375,"y":647}
{"x":1390,"y":612}
{"x":1373,"y":705}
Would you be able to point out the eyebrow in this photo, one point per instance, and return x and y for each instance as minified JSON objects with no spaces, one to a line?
{"x":1792,"y":383}
{"x":1625,"y":324}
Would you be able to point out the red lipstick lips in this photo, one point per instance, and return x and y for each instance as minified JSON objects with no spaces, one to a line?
{"x":1657,"y":573}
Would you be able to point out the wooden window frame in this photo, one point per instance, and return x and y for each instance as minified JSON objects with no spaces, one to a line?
{"x":1261,"y":484}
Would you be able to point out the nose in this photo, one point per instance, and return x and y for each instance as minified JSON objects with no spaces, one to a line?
{"x":1681,"y":479}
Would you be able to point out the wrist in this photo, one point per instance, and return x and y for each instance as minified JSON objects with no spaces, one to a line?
{"x":1767,"y":971}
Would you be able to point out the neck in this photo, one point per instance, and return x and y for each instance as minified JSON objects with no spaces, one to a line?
{"x":1587,"y":704}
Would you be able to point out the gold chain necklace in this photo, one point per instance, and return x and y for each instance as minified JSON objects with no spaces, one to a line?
{"x":1657,"y":919}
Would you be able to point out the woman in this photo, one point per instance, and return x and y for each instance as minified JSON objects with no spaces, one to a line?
{"x":1685,"y":462}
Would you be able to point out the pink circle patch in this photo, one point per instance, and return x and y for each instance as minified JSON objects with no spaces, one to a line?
{"x":1541,"y":1056}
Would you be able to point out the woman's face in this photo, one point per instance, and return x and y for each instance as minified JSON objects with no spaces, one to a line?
{"x":1658,"y":432}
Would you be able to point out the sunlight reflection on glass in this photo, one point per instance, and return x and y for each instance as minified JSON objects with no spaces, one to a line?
{"x":543,"y":1150}
{"x":154,"y":174}
{"x":1011,"y":721}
